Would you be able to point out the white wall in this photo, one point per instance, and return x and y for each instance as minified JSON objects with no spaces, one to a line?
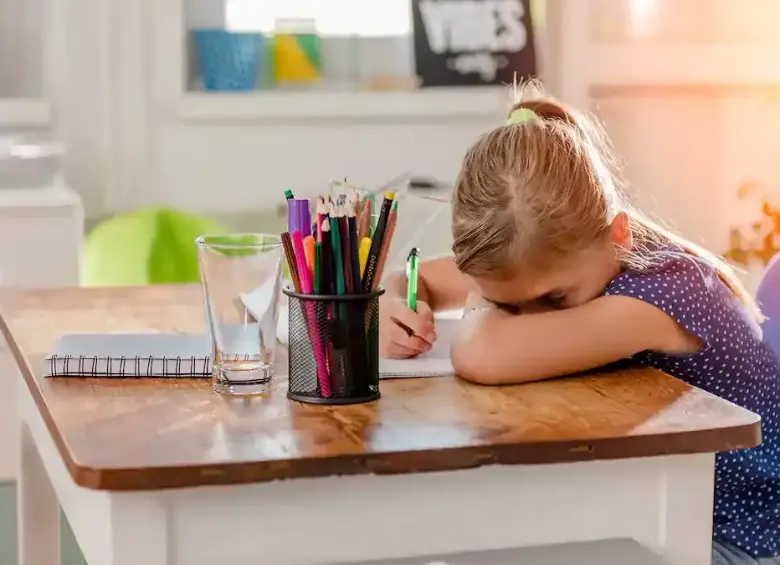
{"x":21,"y":48}
{"x":685,"y":104}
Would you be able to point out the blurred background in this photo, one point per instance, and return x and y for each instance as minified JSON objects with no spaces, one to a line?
{"x":129,"y":121}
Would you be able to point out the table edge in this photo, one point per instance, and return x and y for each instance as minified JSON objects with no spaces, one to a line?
{"x":422,"y":461}
{"x":711,"y":440}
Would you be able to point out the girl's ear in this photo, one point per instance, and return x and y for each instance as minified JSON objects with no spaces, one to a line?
{"x":620,"y":232}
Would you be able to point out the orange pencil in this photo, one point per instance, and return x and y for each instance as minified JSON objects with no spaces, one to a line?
{"x":356,"y":207}
{"x":365,"y":220}
{"x":308,"y":248}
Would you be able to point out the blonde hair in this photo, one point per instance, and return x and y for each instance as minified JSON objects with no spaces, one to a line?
{"x":534,"y":191}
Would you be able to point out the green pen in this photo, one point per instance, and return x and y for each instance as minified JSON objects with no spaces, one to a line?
{"x":412,"y":274}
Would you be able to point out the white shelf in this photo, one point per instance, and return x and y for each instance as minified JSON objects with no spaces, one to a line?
{"x":431,"y":103}
{"x":24,"y":112}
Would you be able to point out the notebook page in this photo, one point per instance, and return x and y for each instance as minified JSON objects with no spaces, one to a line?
{"x":151,"y":354}
{"x":434,"y":363}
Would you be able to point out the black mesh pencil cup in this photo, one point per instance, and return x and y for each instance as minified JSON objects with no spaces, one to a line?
{"x":333,"y":347}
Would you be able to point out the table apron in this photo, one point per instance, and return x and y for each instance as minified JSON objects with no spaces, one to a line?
{"x":664,"y":503}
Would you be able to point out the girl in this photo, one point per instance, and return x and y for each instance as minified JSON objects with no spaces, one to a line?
{"x":575,"y":279}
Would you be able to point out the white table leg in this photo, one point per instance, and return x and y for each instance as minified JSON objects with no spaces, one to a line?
{"x":38,"y":509}
{"x":140,"y":530}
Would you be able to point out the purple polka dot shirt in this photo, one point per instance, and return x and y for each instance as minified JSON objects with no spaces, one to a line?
{"x":735,"y":364}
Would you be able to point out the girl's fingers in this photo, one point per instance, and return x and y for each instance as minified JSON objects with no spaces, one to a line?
{"x":396,"y":352}
{"x":421,"y":325}
{"x":397,"y":343}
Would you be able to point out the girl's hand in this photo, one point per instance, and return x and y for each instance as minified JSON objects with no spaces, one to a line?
{"x":404,"y":333}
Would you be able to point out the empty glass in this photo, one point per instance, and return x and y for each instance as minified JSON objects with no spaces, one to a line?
{"x":241,"y":276}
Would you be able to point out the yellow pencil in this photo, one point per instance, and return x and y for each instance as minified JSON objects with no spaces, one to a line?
{"x":365,"y":247}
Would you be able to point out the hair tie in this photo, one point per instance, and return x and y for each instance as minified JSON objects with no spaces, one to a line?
{"x":521,"y":116}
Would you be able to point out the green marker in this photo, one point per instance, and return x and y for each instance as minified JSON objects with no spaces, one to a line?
{"x":288,"y":194}
{"x":317,"y":267}
{"x":372,"y":210}
{"x":412,"y":274}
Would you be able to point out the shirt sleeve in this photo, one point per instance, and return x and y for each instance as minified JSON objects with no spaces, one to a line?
{"x":682,"y":286}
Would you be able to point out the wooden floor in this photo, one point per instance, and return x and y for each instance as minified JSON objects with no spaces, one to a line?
{"x":71,"y":555}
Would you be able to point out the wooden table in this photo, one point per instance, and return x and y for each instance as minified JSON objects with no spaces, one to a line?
{"x":165,"y":471}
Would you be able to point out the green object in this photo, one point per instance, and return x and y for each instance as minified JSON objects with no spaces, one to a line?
{"x":150,"y":246}
{"x":395,"y":205}
{"x":338,"y":262}
{"x":310,"y":45}
{"x":372,"y":216}
{"x":521,"y":116}
{"x":288,"y":194}
{"x":412,"y":274}
{"x":317,"y":266}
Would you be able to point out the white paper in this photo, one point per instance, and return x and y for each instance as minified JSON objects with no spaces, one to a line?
{"x":434,"y":363}
{"x":262,"y":303}
{"x":112,"y":354}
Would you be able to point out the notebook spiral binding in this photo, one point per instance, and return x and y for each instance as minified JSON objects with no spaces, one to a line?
{"x":96,"y":366}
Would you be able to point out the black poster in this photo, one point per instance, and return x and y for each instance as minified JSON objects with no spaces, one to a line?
{"x":473,"y":42}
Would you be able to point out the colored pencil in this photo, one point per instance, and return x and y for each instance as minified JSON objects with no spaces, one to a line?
{"x":365,"y":247}
{"x":327,"y":259}
{"x":364,"y":227}
{"x":377,"y":241}
{"x":354,"y":243}
{"x":356,"y":206}
{"x":389,"y":232}
{"x":346,"y":253}
{"x":338,"y":261}
{"x":291,"y":261}
{"x":318,"y":267}
{"x":320,"y":213}
{"x":308,"y":248}
{"x":371,"y":212}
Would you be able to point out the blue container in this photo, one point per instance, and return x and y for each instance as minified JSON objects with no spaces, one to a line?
{"x":228,"y":60}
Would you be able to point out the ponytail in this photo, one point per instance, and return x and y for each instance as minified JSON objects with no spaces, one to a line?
{"x":606,"y":168}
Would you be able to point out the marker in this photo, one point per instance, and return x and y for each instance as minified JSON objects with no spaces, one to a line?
{"x":412,"y":274}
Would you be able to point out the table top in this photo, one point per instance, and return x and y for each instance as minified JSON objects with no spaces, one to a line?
{"x":139,"y":434}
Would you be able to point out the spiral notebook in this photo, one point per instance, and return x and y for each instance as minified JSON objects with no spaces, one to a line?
{"x":162,"y":355}
{"x":130,"y":355}
{"x":434,"y":363}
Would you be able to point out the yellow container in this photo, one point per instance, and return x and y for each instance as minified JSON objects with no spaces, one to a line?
{"x":296,"y":51}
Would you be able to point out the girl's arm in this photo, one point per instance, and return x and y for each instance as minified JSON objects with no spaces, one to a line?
{"x":497,"y":348}
{"x":440,"y":284}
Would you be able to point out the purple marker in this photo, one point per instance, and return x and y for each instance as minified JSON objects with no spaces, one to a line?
{"x":305,"y":226}
{"x":292,"y":215}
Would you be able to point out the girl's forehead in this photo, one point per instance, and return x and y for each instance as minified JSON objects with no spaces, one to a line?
{"x":532,"y":284}
{"x":524,"y":286}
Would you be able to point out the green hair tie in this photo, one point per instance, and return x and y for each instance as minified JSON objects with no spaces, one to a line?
{"x":521,"y":116}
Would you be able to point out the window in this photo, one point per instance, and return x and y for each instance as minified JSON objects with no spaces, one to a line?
{"x":367,"y":18}
{"x":360,"y":45}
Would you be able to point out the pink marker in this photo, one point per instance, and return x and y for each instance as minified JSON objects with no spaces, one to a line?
{"x":306,"y":288}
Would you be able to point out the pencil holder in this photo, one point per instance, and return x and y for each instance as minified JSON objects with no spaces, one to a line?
{"x":333,"y":347}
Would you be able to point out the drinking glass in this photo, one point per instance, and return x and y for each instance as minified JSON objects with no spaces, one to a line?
{"x":241,"y":276}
